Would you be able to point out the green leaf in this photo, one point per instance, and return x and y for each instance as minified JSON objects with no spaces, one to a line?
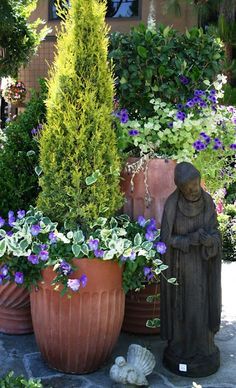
{"x":3,"y":246}
{"x":24,"y":244}
{"x":76,"y":249}
{"x":137,"y":239}
{"x":78,"y":236}
{"x":90,"y":180}
{"x":84,"y":249}
{"x":153,"y":323}
{"x":123,"y":80}
{"x":38,"y":170}
{"x":30,"y":153}
{"x":147,"y":245}
{"x":172,"y":281}
{"x":153,"y":298}
{"x":142,"y":52}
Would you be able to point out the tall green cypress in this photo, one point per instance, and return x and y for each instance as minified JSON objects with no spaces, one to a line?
{"x":79,"y":139}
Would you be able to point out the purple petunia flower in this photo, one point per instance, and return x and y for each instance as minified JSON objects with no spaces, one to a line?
{"x":213,"y":92}
{"x":98,"y":253}
{"x":52,"y":237}
{"x":234,"y":119}
{"x":19,"y":278}
{"x":151,"y":227}
{"x":133,"y":132}
{"x":2,"y":222}
{"x":199,"y":145}
{"x":34,"y":131}
{"x":65,"y":268}
{"x":161,"y":247}
{"x":73,"y":284}
{"x":206,"y":138}
{"x":83,"y":280}
{"x":218,"y":144}
{"x":184,"y":80}
{"x":203,"y":104}
{"x":93,"y":244}
{"x":11,"y":218}
{"x":4,"y":270}
{"x":150,"y":235}
{"x":146,"y":270}
{"x":233,"y":146}
{"x":170,"y":125}
{"x":179,"y":106}
{"x":33,"y":259}
{"x":9,"y":233}
{"x":20,"y":214}
{"x":123,"y":115}
{"x":35,"y":230}
{"x":150,"y":276}
{"x":44,"y":255}
{"x":189,"y":104}
{"x":43,"y":247}
{"x":199,"y":93}
{"x":212,"y":99}
{"x":181,"y":115}
{"x":141,"y":221}
{"x":132,"y":256}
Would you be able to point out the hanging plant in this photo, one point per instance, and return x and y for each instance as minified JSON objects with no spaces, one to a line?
{"x":14,"y":93}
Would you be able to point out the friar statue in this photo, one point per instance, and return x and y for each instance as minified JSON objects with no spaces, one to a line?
{"x":190,"y":311}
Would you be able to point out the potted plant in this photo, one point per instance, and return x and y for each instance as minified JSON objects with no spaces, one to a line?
{"x":75,"y":277}
{"x":79,"y":184}
{"x":18,"y":159}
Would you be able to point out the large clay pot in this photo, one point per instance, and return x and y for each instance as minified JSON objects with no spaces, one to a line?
{"x":160,"y":184}
{"x":138,"y":310}
{"x":77,"y":334}
{"x":15,"y":315}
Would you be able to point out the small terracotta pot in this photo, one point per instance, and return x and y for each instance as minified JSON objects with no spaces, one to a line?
{"x":15,"y":315}
{"x":160,"y":183}
{"x":138,"y":310}
{"x":77,"y":334}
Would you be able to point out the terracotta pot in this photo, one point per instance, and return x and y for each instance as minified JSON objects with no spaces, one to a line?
{"x":15,"y":315}
{"x":138,"y":310}
{"x":160,"y":183}
{"x":77,"y":334}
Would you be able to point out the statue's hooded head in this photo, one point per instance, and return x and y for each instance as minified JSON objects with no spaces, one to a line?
{"x":187,"y":179}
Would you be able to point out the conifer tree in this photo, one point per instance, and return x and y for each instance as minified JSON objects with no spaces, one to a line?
{"x":78,"y":144}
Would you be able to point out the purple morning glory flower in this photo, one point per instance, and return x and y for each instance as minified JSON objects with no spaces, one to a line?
{"x":44,"y":255}
{"x":33,"y":259}
{"x":213,"y":92}
{"x":161,"y":247}
{"x":83,"y":280}
{"x":170,"y":125}
{"x":9,"y":233}
{"x":20,"y":214}
{"x":212,"y":99}
{"x":203,"y":104}
{"x":213,"y":107}
{"x":181,"y":115}
{"x":218,"y":144}
{"x":150,"y":236}
{"x":2,"y":222}
{"x":233,"y":146}
{"x":179,"y":106}
{"x":141,"y":221}
{"x":65,"y":268}
{"x":43,"y":247}
{"x":206,"y":138}
{"x":73,"y":284}
{"x":199,"y":93}
{"x":4,"y":270}
{"x":35,"y":230}
{"x":184,"y":80}
{"x":133,"y":132}
{"x":19,"y":277}
{"x":98,"y":253}
{"x":93,"y":244}
{"x":123,"y":258}
{"x":52,"y":237}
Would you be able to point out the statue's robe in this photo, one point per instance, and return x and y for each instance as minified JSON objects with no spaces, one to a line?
{"x":190,"y":312}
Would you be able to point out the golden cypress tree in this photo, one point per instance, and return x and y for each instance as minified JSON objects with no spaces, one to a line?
{"x":79,"y":140}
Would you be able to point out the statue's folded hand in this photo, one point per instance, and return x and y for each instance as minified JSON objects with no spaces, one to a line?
{"x":205,"y":238}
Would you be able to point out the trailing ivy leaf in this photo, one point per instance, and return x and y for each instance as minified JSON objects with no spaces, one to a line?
{"x":153,"y":323}
{"x":142,"y":52}
{"x":3,"y":246}
{"x":84,"y":249}
{"x":76,"y":249}
{"x":137,"y":239}
{"x":153,"y":298}
{"x":38,"y":170}
{"x":30,"y":153}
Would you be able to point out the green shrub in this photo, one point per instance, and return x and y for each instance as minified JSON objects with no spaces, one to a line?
{"x":19,"y":156}
{"x":78,"y":144}
{"x":227,"y":223}
{"x":159,"y":63}
{"x":10,"y":381}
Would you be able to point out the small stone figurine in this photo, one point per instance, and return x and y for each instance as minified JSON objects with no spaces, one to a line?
{"x":140,"y":363}
{"x":190,"y":312}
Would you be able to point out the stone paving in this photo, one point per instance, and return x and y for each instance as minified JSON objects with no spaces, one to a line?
{"x":20,"y":354}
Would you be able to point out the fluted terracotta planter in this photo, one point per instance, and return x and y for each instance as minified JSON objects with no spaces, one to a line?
{"x":77,"y":334}
{"x":15,"y":315}
{"x":138,"y":310}
{"x":160,"y":184}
